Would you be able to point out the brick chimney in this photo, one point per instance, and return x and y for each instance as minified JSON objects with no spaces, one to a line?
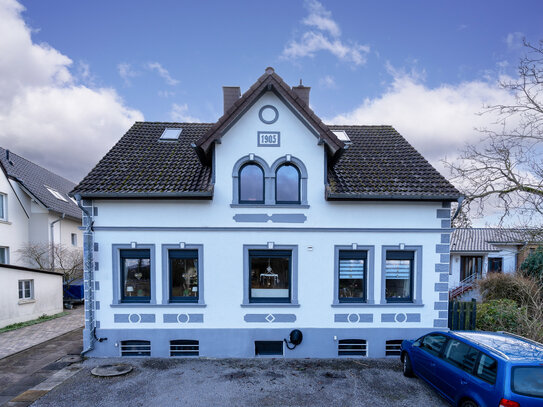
{"x":230,"y":95}
{"x":302,"y":92}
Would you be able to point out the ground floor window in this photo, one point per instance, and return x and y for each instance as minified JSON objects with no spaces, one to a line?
{"x":4,"y":255}
{"x":26,"y":289}
{"x":270,"y":275}
{"x":471,"y":266}
{"x":183,"y":275}
{"x":136,"y":275}
{"x":495,"y":264}
{"x":352,"y":275}
{"x":399,"y":276}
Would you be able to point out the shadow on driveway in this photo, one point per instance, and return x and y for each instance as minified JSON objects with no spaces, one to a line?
{"x":245,"y":382}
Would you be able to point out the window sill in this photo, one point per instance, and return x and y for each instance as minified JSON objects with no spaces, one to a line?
{"x":291,"y":206}
{"x":7,"y":222}
{"x":367,"y":305}
{"x":29,"y":301}
{"x":400,"y":304}
{"x":270,"y":305}
{"x":147,"y":305}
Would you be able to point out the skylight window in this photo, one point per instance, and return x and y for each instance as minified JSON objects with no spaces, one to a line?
{"x":171,"y":134}
{"x":56,"y":194}
{"x":340,"y":134}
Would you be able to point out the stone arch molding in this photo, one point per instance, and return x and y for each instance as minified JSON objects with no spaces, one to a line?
{"x":269,"y":176}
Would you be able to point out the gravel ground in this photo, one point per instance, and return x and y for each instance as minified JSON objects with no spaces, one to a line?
{"x":245,"y":382}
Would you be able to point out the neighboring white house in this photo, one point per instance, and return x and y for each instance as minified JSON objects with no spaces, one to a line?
{"x":34,"y":208}
{"x":221,"y":239}
{"x":28,"y":294}
{"x":475,"y":252}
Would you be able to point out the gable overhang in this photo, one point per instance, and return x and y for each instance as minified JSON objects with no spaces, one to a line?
{"x":204,"y":195}
{"x":269,"y":82}
{"x":334,"y":196}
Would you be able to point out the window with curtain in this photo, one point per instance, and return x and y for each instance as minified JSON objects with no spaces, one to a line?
{"x":352,"y":276}
{"x":399,"y":276}
{"x":183,"y":275}
{"x":287,"y":184}
{"x":251,"y":184}
{"x":136,"y":275}
{"x":471,"y":266}
{"x":270,"y":275}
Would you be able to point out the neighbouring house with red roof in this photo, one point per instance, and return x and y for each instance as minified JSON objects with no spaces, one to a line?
{"x":266,"y":233}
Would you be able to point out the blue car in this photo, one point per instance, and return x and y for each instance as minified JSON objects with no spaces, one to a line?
{"x":478,"y":369}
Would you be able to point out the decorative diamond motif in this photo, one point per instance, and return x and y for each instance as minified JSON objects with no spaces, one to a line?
{"x":270,"y":318}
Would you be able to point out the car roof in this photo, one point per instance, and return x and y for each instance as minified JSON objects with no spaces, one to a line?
{"x":503,"y":344}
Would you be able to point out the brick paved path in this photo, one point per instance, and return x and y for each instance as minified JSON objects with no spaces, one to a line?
{"x":23,"y":338}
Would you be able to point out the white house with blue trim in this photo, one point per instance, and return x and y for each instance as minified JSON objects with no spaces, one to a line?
{"x":220,"y":239}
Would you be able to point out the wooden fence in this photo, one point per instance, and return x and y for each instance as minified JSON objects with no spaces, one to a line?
{"x":462,"y":315}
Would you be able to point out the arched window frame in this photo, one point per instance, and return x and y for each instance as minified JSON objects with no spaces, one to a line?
{"x":299,"y":165}
{"x":297,"y":202}
{"x":269,"y":180}
{"x":238,"y":166}
{"x":260,"y":201}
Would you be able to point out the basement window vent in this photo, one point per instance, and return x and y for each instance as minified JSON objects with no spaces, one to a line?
{"x":268,"y":348}
{"x":352,"y":347}
{"x":393,"y":347}
{"x":183,"y":347}
{"x":171,"y":134}
{"x":135,"y":348}
{"x":56,"y":194}
{"x":342,"y":135}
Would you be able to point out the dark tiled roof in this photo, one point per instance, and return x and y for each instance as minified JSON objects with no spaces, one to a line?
{"x":485,"y":239}
{"x":269,"y":81}
{"x":141,"y":165}
{"x":381,"y":164}
{"x":35,"y":179}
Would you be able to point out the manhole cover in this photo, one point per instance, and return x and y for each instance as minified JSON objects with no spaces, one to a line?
{"x":111,"y":370}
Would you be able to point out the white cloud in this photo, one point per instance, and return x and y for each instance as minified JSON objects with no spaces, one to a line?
{"x":165,"y":93}
{"x":514,"y":40}
{"x":179,"y":113}
{"x":126,"y":72}
{"x":324,"y":35}
{"x":327,"y":82}
{"x":437,"y":121}
{"x":321,"y":18}
{"x":162,"y":72}
{"x":46,"y":114}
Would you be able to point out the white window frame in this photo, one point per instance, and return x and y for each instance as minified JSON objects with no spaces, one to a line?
{"x":4,"y":204}
{"x":56,"y":194}
{"x":5,"y":249}
{"x":23,"y":290}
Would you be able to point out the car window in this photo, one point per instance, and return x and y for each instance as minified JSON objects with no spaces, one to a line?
{"x":433,"y":343}
{"x":528,"y":381}
{"x":487,"y":369}
{"x":461,"y":355}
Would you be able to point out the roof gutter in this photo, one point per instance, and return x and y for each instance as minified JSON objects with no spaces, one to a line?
{"x":146,"y":195}
{"x":332,"y":196}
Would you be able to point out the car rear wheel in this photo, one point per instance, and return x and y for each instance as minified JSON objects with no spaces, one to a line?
{"x":407,"y":368}
{"x":468,"y":403}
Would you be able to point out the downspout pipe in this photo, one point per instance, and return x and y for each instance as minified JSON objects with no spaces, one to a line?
{"x":52,"y":228}
{"x":460,"y":201}
{"x":89,"y":269}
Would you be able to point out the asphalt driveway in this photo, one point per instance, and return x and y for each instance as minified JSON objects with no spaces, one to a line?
{"x":245,"y":382}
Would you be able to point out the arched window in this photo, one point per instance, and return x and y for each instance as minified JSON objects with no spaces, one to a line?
{"x":251,"y":184}
{"x":287,"y":184}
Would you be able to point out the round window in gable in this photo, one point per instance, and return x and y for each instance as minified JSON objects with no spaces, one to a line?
{"x":268,"y":114}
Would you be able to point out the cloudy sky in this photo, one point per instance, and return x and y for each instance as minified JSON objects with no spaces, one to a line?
{"x":75,"y":75}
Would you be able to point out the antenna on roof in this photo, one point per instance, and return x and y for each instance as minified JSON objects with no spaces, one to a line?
{"x":301,"y":82}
